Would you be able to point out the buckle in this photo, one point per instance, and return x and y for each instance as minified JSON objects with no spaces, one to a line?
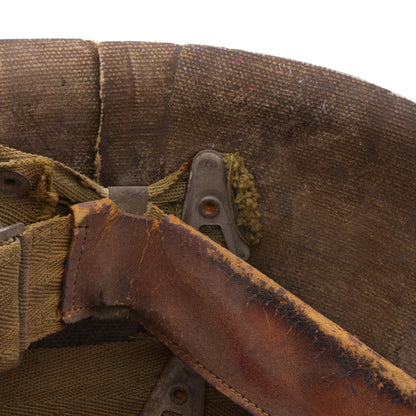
{"x":131,"y":199}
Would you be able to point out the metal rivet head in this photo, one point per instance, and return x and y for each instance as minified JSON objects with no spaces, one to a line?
{"x":13,"y":183}
{"x":209,"y":207}
{"x":178,"y":395}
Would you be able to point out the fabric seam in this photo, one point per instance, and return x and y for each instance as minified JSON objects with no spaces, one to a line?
{"x":97,"y":157}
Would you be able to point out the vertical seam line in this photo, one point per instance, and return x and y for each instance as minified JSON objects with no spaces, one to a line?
{"x":97,"y":157}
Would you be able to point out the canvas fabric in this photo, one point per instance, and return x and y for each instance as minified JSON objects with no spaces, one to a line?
{"x":333,"y":158}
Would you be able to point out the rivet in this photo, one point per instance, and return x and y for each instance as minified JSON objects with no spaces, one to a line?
{"x":209,"y":207}
{"x":178,"y":395}
{"x":13,"y":183}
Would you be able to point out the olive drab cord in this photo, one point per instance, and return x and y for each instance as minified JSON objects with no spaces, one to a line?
{"x":31,"y":274}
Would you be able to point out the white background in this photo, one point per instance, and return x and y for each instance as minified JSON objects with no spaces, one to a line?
{"x":373,"y":40}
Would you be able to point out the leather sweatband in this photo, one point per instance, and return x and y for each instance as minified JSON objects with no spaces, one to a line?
{"x":241,"y":331}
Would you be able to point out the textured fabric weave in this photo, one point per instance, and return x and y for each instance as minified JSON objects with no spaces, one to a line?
{"x":333,"y":159}
{"x":53,"y":186}
{"x":106,"y":379}
{"x":31,"y":279}
{"x":44,"y":250}
{"x":40,"y":201}
{"x":49,"y":99}
{"x":9,"y":305}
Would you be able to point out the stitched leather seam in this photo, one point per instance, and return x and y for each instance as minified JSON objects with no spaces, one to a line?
{"x":168,"y":342}
{"x":173,"y":345}
{"x":225,"y":384}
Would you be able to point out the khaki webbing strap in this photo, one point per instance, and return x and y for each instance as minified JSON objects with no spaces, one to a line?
{"x":44,"y":251}
{"x":31,"y":268}
{"x":53,"y":187}
{"x":40,"y":200}
{"x":31,"y":281}
{"x":9,"y":305}
{"x":31,"y":271}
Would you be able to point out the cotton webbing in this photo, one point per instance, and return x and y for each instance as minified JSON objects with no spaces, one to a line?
{"x":106,"y":379}
{"x":52,"y":186}
{"x":9,"y":305}
{"x":31,"y":280}
{"x":40,"y":201}
{"x":44,"y":250}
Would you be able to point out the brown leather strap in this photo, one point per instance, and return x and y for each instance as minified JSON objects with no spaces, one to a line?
{"x":245,"y":334}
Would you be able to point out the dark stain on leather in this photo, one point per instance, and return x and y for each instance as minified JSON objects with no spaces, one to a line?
{"x":246,"y":335}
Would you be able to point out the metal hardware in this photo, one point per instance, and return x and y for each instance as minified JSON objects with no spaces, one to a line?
{"x":208,"y":201}
{"x":179,"y":390}
{"x":11,"y":231}
{"x":209,"y":207}
{"x":115,"y":313}
{"x":130,"y":199}
{"x":13,"y":183}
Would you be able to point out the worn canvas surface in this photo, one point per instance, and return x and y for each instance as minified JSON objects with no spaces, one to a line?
{"x":333,"y":158}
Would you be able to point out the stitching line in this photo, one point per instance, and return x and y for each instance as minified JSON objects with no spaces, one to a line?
{"x":221,"y":381}
{"x":174,"y":345}
{"x":167,"y":340}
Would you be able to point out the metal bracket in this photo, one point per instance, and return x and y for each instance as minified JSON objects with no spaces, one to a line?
{"x":131,"y":199}
{"x":208,"y":200}
{"x":179,"y":390}
{"x":11,"y":231}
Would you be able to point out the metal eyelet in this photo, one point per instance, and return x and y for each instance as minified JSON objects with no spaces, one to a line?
{"x":13,"y":183}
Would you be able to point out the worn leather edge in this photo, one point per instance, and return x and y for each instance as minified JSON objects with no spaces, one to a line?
{"x":241,"y":331}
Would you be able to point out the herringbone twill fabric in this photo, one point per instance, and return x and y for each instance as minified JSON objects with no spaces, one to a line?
{"x":31,"y":278}
{"x":107,"y":379}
